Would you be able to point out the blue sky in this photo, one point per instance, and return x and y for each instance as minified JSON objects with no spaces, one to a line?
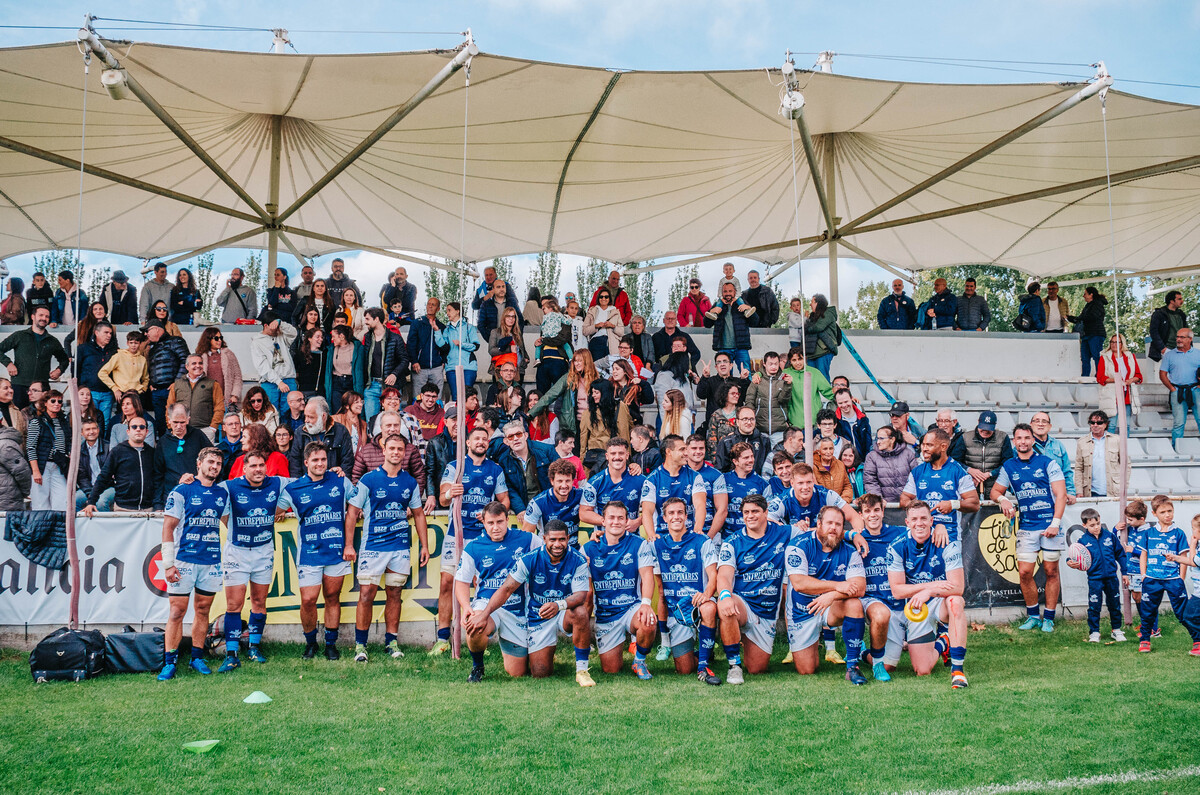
{"x":1139,"y":41}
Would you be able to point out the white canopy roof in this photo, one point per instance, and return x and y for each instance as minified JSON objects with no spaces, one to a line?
{"x":621,"y":166}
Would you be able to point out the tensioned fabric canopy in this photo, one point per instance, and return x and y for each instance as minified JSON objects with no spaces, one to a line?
{"x":621,"y":166}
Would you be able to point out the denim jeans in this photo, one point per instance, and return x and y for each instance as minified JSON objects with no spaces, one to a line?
{"x":1112,"y":421}
{"x":739,"y":357}
{"x":279,"y":399}
{"x":822,"y":363}
{"x":105,"y":503}
{"x":102,"y":399}
{"x":372,"y":398}
{"x":159,"y":399}
{"x":1179,"y":410}
{"x":1089,"y":353}
{"x":468,"y":380}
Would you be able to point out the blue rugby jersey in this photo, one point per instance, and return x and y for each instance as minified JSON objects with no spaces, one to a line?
{"x":876,"y":564}
{"x":385,"y":502}
{"x":320,"y":507}
{"x":922,"y":563}
{"x":1030,"y":482}
{"x":599,"y":490}
{"x":738,"y":489}
{"x":251,"y":511}
{"x":806,"y":556}
{"x":545,"y":507}
{"x":682,"y":565}
{"x":758,"y":565}
{"x":614,"y":569}
{"x":482,"y":484}
{"x":1108,"y":556}
{"x":490,"y":562}
{"x":660,"y":486}
{"x":199,"y":509}
{"x":547,"y":581}
{"x":1157,"y":543}
{"x":786,"y":509}
{"x":934,"y":485}
{"x":709,"y":474}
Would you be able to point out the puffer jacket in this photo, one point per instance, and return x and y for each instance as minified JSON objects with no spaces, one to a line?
{"x":16,"y":477}
{"x":986,"y":454}
{"x":769,"y":398}
{"x":885,"y":473}
{"x":166,"y":361}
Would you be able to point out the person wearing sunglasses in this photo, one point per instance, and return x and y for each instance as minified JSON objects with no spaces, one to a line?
{"x":693,"y":306}
{"x":129,"y":470}
{"x":47,"y":443}
{"x":1098,"y":459}
{"x":153,"y":291}
{"x":221,"y":365}
{"x":176,"y":453}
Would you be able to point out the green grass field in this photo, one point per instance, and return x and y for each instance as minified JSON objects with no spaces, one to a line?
{"x":1039,"y":709}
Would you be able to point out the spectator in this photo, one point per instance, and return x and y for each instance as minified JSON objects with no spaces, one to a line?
{"x":258,"y":440}
{"x":310,"y":356}
{"x":12,"y":310}
{"x":385,"y":359}
{"x":496,"y":300}
{"x":129,"y":471}
{"x":155,"y":290}
{"x":37,"y":390}
{"x":722,"y":421}
{"x":70,"y":303}
{"x":769,"y":395}
{"x":853,"y":424}
{"x":318,"y":301}
{"x":564,"y":445}
{"x":320,"y":427}
{"x":532,"y":313}
{"x":338,"y":282}
{"x":230,"y":443}
{"x":429,"y":414}
{"x":947,"y":420}
{"x":39,"y":294}
{"x":350,"y":314}
{"x":708,"y":388}
{"x":973,"y":313}
{"x":87,"y":324}
{"x":162,"y":314}
{"x":556,"y":330}
{"x":270,"y":352}
{"x":693,"y":306}
{"x":238,"y":301}
{"x":293,"y":418}
{"x":1118,"y":358}
{"x":281,"y":299}
{"x":400,"y":290}
{"x":93,"y":355}
{"x":644,"y":454}
{"x":624,"y":354}
{"x":854,"y":469}
{"x":829,"y":470}
{"x":897,"y":312}
{"x":283,"y":438}
{"x":1032,"y":310}
{"x":795,"y":323}
{"x":1178,"y":374}
{"x":543,"y":427}
{"x":425,"y":356}
{"x":441,"y":450}
{"x":257,"y":409}
{"x":130,"y":408}
{"x":941,"y":308}
{"x":506,"y":378}
{"x":165,"y":363}
{"x":485,"y":291}
{"x":201,"y":395}
{"x":901,"y":419}
{"x":827,"y":428}
{"x":1055,"y":308}
{"x":669,"y":333}
{"x":792,"y":448}
{"x":1045,"y":444}
{"x":603,"y":325}
{"x":819,"y":390}
{"x":578,"y":338}
{"x":32,"y":350}
{"x":606,"y":418}
{"x":1165,"y":323}
{"x":221,"y":365}
{"x":642,"y":344}
{"x":343,"y":366}
{"x":87,"y":409}
{"x":305,"y":288}
{"x":746,"y":432}
{"x":985,"y":451}
{"x":525,"y":463}
{"x":731,"y":327}
{"x":676,"y":416}
{"x":185,"y":300}
{"x":462,"y":340}
{"x":48,"y":447}
{"x":762,"y":298}
{"x":727,"y":277}
{"x":506,"y":345}
{"x":675,"y":373}
{"x":1092,"y":332}
{"x":369,"y":455}
{"x":569,"y":394}
{"x":822,"y":334}
{"x":1098,"y":460}
{"x":93,"y":453}
{"x":351,"y":418}
{"x":10,"y":415}
{"x":175,"y":455}
{"x":620,"y":298}
{"x":887,"y":466}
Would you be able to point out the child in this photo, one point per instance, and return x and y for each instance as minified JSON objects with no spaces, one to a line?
{"x":126,"y":370}
{"x":564,"y":445}
{"x":1163,"y":550}
{"x":727,"y":269}
{"x":1191,"y":612}
{"x":645,"y":457}
{"x":795,"y":321}
{"x":1107,"y":557}
{"x":1135,"y":523}
{"x":578,"y":338}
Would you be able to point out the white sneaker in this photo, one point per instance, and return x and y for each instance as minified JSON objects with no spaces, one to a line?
{"x":1119,"y":635}
{"x":1094,"y":637}
{"x":734,"y":677}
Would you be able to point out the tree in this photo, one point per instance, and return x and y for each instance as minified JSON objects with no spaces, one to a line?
{"x":447,"y":286}
{"x":679,"y":287}
{"x":255,"y":275}
{"x":639,"y":284}
{"x":781,"y":322}
{"x":208,"y":287}
{"x":865,"y":310}
{"x":589,"y":277}
{"x":546,"y":273}
{"x":504,"y":271}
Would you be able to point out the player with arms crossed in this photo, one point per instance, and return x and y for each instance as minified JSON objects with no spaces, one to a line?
{"x":560,"y":501}
{"x":622,"y":570}
{"x":611,"y":483}
{"x":731,"y":488}
{"x":556,"y":583}
{"x":750,"y":573}
{"x":686,"y":568}
{"x":191,"y":557}
{"x":884,"y":612}
{"x":486,"y":562}
{"x":931,"y":579}
{"x":385,"y":499}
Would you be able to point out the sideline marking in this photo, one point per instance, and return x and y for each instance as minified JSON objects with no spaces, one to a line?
{"x":1129,"y":777}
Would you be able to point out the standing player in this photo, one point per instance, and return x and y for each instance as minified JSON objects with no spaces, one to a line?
{"x":930,"y":577}
{"x":884,"y":612}
{"x":622,"y":571}
{"x":482,"y":482}
{"x":611,"y":483}
{"x":672,"y":479}
{"x":1041,"y":492}
{"x":486,"y":562}
{"x":694,"y":456}
{"x":781,"y":481}
{"x":686,"y":567}
{"x":941,"y":482}
{"x":249,"y":555}
{"x":385,"y":498}
{"x":827,"y":579}
{"x":319,"y":500}
{"x":191,"y":557}
{"x":749,"y":584}
{"x":555,"y":579}
{"x":732,"y":488}
{"x":560,"y":501}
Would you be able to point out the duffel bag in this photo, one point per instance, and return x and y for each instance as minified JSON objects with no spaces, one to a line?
{"x":68,"y":655}
{"x":130,"y":652}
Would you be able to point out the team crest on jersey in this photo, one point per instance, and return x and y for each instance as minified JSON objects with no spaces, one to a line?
{"x":627,"y":559}
{"x":305,"y":499}
{"x":270,"y":496}
{"x":489,"y":480}
{"x":793,"y":559}
{"x":680,"y":568}
{"x":748,"y":558}
{"x":841,"y":570}
{"x":539,"y":579}
{"x":380,"y":494}
{"x":335,"y":492}
{"x":778,"y":547}
{"x":196,"y":501}
{"x":922,"y":485}
{"x":1038,"y":473}
{"x":242,"y":499}
{"x":486,"y":562}
{"x":689,"y":555}
{"x":613,"y":575}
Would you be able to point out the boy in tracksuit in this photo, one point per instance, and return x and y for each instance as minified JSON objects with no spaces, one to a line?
{"x":1135,"y":524}
{"x":1108,"y":557}
{"x":1164,"y":553}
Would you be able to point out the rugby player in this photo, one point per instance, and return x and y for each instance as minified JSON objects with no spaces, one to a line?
{"x":385,"y":499}
{"x":319,"y":501}
{"x":731,"y":488}
{"x":560,"y":501}
{"x":1041,"y":491}
{"x":750,"y":573}
{"x":926,"y":575}
{"x":622,"y":570}
{"x":611,"y":483}
{"x":694,"y":450}
{"x":486,"y":563}
{"x":884,"y":612}
{"x":191,"y":557}
{"x":555,"y":579}
{"x":781,"y":482}
{"x":827,"y":579}
{"x":686,"y":568}
{"x":941,"y":482}
{"x":482,"y":482}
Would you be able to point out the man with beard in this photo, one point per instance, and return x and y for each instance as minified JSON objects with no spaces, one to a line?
{"x":942,"y":482}
{"x":238,"y":301}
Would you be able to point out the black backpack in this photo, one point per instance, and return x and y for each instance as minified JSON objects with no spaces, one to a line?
{"x":68,"y":655}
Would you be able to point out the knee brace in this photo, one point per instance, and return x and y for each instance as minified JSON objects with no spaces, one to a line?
{"x":393,"y":580}
{"x":1050,"y":555}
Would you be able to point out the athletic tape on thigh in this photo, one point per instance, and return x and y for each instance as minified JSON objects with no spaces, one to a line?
{"x":393,"y":579}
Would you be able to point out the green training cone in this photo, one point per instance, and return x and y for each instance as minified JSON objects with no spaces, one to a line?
{"x":201,"y":746}
{"x":257,"y":697}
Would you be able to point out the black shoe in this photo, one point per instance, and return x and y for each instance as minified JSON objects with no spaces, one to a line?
{"x":310,"y":651}
{"x":331,"y":652}
{"x":706,"y":676}
{"x":476,"y":674}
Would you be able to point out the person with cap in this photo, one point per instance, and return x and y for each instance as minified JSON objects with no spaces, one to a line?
{"x":693,"y":305}
{"x":985,"y":451}
{"x":165,"y":363}
{"x":899,"y":415}
{"x":70,"y":302}
{"x":238,"y":301}
{"x":120,"y":300}
{"x":153,"y":291}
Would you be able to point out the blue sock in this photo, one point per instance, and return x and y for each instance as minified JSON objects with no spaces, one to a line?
{"x":828,"y":635}
{"x":581,"y":658}
{"x":360,"y":635}
{"x":876,"y":655}
{"x":171,"y":657}
{"x":310,"y":638}
{"x":477,"y":659}
{"x":197,"y":654}
{"x":662,"y":631}
{"x":943,"y":627}
{"x":444,"y":633}
{"x":1032,"y":611}
{"x":957,"y":654}
{"x":852,"y":634}
{"x":640,"y":654}
{"x":233,"y":632}
{"x":1048,"y":615}
{"x":733,"y":653}
{"x":941,"y":644}
{"x":388,"y":637}
{"x":708,"y":639}
{"x":331,"y":636}
{"x":257,"y":622}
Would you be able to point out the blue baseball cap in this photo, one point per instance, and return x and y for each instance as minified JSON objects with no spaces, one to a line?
{"x":987,"y":421}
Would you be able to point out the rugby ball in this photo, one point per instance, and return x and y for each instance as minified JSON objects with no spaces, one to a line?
{"x":914,"y":615}
{"x":1080,"y":556}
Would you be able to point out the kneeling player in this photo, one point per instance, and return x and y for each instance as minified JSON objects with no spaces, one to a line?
{"x":827,"y":580}
{"x":622,"y":570}
{"x":885,"y":613}
{"x":385,"y":498}
{"x":487,"y":561}
{"x":749,"y":581}
{"x":930,"y":577}
{"x":686,"y":565}
{"x":191,"y":557}
{"x":555,"y":578}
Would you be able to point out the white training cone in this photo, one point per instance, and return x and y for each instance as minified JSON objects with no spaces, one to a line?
{"x":257,"y":697}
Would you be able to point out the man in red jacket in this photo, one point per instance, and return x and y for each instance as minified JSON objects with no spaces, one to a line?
{"x":620,"y":297}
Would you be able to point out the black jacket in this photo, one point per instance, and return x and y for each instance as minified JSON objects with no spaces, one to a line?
{"x":91,"y":358}
{"x":662,"y":345}
{"x":1091,"y":318}
{"x":131,"y":473}
{"x":766,"y":306}
{"x":86,"y":476}
{"x":172,"y":460}
{"x":758,"y":440}
{"x":395,"y":356}
{"x":708,"y":390}
{"x":341,"y":449}
{"x":166,"y":360}
{"x":440,"y":451}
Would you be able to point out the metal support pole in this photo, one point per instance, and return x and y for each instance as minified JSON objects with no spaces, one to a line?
{"x":273,"y":187}
{"x":72,"y":479}
{"x":830,"y":155}
{"x":892,"y":269}
{"x":822,"y":185}
{"x":350,"y":244}
{"x":229,"y":241}
{"x":799,"y":258}
{"x":303,"y":260}
{"x":741,"y":252}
